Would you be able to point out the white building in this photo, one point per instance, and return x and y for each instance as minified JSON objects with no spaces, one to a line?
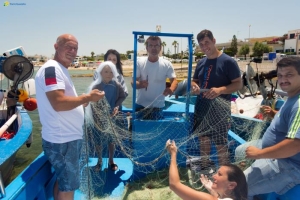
{"x":292,"y":41}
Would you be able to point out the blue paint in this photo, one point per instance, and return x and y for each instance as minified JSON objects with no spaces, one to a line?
{"x":40,"y":176}
{"x":11,"y":146}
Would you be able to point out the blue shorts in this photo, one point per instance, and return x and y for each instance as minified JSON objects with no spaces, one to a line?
{"x":268,"y":175}
{"x":271,"y":175}
{"x":64,"y":158}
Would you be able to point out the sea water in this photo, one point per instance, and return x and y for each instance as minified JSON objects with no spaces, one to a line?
{"x":26,"y":155}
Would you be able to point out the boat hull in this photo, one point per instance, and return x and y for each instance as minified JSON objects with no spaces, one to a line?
{"x":6,"y":169}
{"x":40,"y":175}
{"x":10,"y":147}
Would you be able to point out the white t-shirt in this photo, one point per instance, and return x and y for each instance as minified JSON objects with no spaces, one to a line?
{"x":62,"y":126}
{"x":156,"y":73}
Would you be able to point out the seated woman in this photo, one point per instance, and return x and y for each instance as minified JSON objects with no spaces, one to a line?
{"x":229,"y":183}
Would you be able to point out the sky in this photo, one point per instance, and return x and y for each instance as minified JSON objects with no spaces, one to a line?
{"x":101,"y":25}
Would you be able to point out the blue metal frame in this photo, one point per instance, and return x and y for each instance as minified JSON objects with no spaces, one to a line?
{"x":136,"y":34}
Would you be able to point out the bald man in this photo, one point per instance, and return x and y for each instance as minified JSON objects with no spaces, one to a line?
{"x":61,"y":115}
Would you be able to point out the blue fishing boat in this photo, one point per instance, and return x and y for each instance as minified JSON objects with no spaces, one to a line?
{"x":146,"y":154}
{"x":15,"y":123}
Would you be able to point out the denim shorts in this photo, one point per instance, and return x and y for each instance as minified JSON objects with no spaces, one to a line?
{"x":271,"y":175}
{"x":268,"y":175}
{"x":64,"y":158}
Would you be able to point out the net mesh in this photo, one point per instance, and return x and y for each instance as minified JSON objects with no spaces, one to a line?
{"x":142,"y":142}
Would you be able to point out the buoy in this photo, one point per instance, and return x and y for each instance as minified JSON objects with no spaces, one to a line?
{"x":23,"y":95}
{"x":30,"y":104}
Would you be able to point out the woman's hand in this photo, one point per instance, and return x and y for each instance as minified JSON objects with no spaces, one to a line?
{"x":206,"y":182}
{"x":171,"y":146}
{"x":208,"y":185}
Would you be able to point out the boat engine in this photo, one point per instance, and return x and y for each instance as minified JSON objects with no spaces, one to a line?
{"x":254,"y":82}
{"x":18,"y":69}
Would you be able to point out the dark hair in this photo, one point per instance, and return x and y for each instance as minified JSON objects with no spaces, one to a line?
{"x":205,"y":33}
{"x":153,"y":38}
{"x":290,"y":62}
{"x":235,"y":174}
{"x":119,"y":63}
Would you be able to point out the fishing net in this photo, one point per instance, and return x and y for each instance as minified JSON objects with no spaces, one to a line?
{"x":140,"y":138}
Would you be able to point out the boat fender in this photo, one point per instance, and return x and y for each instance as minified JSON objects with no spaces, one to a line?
{"x":29,"y":141}
{"x":30,"y":104}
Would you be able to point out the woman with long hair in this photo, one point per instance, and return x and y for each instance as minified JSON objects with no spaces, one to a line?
{"x":229,"y":183}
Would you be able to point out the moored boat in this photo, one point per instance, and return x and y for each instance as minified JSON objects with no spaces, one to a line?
{"x":15,"y":123}
{"x":143,"y":154}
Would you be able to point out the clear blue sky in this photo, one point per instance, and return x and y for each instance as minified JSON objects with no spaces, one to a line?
{"x":100,"y":25}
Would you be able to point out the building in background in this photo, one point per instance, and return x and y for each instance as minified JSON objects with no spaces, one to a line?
{"x":38,"y":59}
{"x":292,"y":42}
{"x":280,"y":44}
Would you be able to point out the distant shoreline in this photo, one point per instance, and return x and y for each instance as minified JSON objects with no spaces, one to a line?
{"x":180,"y":69}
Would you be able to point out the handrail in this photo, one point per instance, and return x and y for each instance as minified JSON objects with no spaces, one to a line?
{"x":7,"y":124}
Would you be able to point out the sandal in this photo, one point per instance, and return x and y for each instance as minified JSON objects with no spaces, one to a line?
{"x":113,"y":167}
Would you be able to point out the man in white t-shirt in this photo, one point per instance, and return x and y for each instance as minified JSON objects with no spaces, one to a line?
{"x":151,"y":76}
{"x":61,"y":115}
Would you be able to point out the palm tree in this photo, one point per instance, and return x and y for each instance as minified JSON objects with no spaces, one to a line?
{"x":163,"y":44}
{"x":92,"y":53}
{"x":175,"y":43}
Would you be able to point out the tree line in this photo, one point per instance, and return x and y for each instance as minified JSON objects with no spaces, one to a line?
{"x":258,"y":50}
